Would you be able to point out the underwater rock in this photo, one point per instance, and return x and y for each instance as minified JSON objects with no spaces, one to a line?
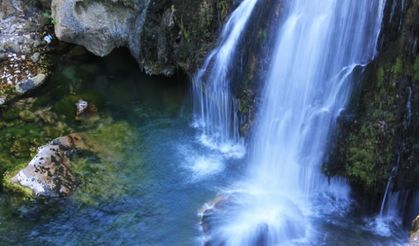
{"x":81,"y":106}
{"x":86,"y":111}
{"x":29,"y":84}
{"x":207,"y":212}
{"x":414,"y":233}
{"x":49,"y":173}
{"x":2,"y":100}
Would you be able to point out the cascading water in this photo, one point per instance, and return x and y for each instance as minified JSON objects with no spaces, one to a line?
{"x":392,"y":206}
{"x":214,"y":108}
{"x":318,"y":46}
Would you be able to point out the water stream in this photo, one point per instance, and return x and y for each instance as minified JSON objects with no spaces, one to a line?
{"x":215,"y":110}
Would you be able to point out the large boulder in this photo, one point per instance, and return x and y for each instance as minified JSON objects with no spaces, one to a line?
{"x":162,"y":35}
{"x":100,"y":26}
{"x":49,"y":172}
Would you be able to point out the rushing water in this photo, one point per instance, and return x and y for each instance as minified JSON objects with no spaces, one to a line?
{"x":215,"y":110}
{"x":318,"y":46}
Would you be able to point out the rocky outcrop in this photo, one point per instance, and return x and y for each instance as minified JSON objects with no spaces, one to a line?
{"x":379,"y":134}
{"x":162,"y":35}
{"x":49,"y":173}
{"x":414,"y":233}
{"x":22,"y":48}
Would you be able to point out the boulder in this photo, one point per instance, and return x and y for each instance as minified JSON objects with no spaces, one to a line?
{"x":49,"y":173}
{"x":99,"y":26}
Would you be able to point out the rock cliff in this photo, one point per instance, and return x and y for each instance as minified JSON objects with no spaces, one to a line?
{"x":162,"y":35}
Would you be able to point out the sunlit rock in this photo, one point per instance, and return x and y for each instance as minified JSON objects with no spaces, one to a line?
{"x":49,"y":172}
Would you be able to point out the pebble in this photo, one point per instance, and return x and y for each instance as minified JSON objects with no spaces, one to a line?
{"x":35,"y":57}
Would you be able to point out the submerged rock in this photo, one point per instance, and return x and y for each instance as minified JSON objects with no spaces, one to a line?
{"x":49,"y":172}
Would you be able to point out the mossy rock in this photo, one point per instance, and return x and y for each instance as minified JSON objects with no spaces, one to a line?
{"x":15,"y":188}
{"x":100,"y":172}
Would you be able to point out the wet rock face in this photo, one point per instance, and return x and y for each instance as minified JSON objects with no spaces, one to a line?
{"x":161,"y":35}
{"x":381,"y":133}
{"x":49,"y":172}
{"x":414,"y":234}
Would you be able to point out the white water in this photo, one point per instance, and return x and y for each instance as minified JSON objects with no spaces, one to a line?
{"x":318,"y":46}
{"x":214,"y":108}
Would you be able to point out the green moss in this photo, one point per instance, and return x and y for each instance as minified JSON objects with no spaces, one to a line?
{"x":66,"y":107}
{"x":113,"y":146}
{"x":14,"y":188}
{"x":380,"y":76}
{"x":416,"y":69}
{"x":397,"y":68}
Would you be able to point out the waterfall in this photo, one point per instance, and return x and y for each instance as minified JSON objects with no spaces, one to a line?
{"x":215,"y":111}
{"x":318,"y":46}
{"x":392,"y":206}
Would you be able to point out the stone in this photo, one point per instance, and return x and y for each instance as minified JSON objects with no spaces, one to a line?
{"x":81,"y":106}
{"x":48,"y":39}
{"x":49,"y":173}
{"x":36,"y":43}
{"x":2,"y":100}
{"x":24,"y":86}
{"x":414,"y":233}
{"x":99,"y":26}
{"x":35,"y":57}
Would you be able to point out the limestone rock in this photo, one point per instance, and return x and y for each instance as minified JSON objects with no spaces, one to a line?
{"x":100,"y":26}
{"x":49,"y":173}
